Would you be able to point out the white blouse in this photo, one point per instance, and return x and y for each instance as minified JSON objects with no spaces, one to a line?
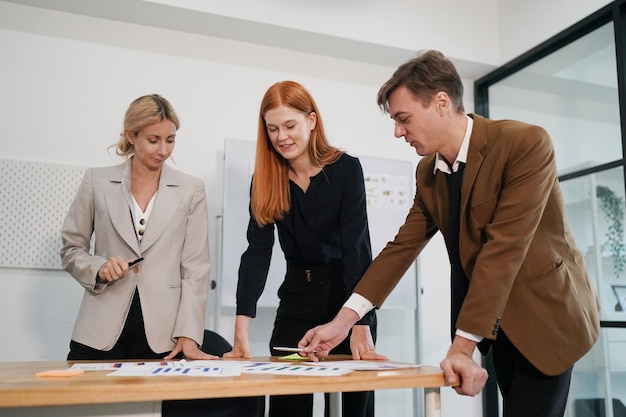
{"x":141,"y":217}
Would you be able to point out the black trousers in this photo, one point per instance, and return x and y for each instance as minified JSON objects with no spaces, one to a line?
{"x":525,"y":390}
{"x":310,"y":296}
{"x":133,"y":344}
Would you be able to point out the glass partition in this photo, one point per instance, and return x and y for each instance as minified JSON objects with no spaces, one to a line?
{"x":573,"y":94}
{"x":595,"y":208}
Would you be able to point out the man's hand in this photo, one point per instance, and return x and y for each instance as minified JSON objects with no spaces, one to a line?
{"x":362,"y":344}
{"x":319,"y":341}
{"x":190,"y":350}
{"x":459,"y":360}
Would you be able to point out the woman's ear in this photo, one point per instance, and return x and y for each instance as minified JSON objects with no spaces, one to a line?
{"x":312,"y":120}
{"x":129,"y":137}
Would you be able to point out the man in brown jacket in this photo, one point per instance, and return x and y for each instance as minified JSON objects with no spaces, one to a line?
{"x":519,"y":284}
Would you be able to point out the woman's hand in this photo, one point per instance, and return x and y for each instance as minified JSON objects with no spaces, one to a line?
{"x":362,"y":344}
{"x":241,"y":348}
{"x":239,"y":352}
{"x":190,"y":350}
{"x":113,"y":269}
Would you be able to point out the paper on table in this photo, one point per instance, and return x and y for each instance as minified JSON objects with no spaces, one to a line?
{"x":364,"y":365}
{"x":167,"y":368}
{"x":222,"y":363}
{"x":296,"y":370}
{"x":95,"y":366}
{"x":213,"y":370}
{"x":104,"y":366}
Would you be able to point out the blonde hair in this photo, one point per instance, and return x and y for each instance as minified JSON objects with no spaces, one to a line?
{"x":269,"y":200}
{"x":142,"y":112}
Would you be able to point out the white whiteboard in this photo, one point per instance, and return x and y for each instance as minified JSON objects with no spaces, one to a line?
{"x":35,"y":200}
{"x":390,"y":190}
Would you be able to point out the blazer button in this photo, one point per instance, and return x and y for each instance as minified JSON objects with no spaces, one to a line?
{"x":496,"y":327}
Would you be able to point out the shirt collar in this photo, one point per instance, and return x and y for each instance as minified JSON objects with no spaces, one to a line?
{"x":461,"y":157}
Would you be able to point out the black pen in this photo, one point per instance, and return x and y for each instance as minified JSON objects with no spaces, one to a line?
{"x":135,"y":262}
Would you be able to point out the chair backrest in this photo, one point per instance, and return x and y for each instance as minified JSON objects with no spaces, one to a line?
{"x":215,"y":344}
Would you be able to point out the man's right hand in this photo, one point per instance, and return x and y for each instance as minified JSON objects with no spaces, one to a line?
{"x":459,"y":361}
{"x":319,"y":341}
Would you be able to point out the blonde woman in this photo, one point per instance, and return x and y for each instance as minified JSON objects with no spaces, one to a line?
{"x":141,"y":208}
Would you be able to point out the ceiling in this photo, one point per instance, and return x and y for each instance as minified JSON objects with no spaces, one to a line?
{"x":202,"y":23}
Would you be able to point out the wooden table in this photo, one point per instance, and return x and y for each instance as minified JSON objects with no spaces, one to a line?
{"x":20,"y":388}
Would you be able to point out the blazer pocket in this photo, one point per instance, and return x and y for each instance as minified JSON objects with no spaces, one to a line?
{"x":549,"y":270}
{"x":173,"y":277}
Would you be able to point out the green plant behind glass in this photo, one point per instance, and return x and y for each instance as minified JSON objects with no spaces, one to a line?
{"x":613,"y":208}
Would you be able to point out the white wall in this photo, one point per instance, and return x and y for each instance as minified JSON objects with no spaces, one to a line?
{"x":522,"y":25}
{"x":447,"y":25}
{"x":66,"y":81}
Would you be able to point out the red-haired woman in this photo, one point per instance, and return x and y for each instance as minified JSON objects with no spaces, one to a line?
{"x":315,"y":195}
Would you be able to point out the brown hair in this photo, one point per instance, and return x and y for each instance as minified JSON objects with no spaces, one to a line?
{"x":269,"y":200}
{"x":142,"y":112}
{"x":425,"y":76}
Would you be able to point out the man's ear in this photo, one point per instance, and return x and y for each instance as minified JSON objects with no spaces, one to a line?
{"x":443,"y":102}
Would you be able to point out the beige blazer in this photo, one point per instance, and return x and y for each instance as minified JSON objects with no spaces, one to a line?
{"x":173,"y":278}
{"x":526,"y":274}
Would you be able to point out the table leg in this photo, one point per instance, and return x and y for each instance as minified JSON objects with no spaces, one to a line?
{"x":432,"y":402}
{"x":334,"y":402}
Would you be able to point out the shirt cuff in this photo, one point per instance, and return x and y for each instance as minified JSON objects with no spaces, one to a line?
{"x":470,"y":336}
{"x":359,"y":304}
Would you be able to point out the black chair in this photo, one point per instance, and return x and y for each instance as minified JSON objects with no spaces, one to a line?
{"x":594,"y":407}
{"x":215,"y":344}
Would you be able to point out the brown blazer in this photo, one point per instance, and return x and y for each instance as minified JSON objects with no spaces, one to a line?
{"x":174,"y":277}
{"x":526,"y":274}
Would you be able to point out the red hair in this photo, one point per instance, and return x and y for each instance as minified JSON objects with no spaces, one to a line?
{"x":270,"y":185}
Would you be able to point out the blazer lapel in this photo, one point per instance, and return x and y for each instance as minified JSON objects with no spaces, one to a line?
{"x":475,"y":158}
{"x":119,"y":206}
{"x":165,"y":205}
